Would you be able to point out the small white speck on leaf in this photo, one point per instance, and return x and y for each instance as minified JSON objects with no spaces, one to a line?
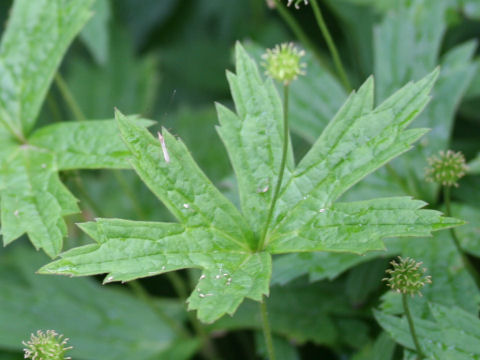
{"x":186,"y":206}
{"x":163,"y":267}
{"x":166,"y":156}
{"x":44,"y":166}
{"x":202,"y":277}
{"x":322,"y":210}
{"x":16,"y":212}
{"x":263,"y":190}
{"x":110,"y":278}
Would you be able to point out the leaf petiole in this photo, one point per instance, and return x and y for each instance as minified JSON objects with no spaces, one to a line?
{"x":261,"y":243}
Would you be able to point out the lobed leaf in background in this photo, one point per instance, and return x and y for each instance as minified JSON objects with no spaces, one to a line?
{"x":474,"y":166}
{"x":383,"y":348}
{"x":452,"y":285}
{"x":126,"y":81}
{"x":33,"y":199}
{"x":95,"y":34}
{"x":301,"y":312}
{"x":214,"y":236}
{"x":101,"y":323}
{"x":451,"y":333}
{"x":421,"y":31}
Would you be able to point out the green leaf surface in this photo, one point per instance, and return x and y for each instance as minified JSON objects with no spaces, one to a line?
{"x":89,"y":144}
{"x":357,"y":141}
{"x":36,"y":38}
{"x":452,"y":285}
{"x":382,"y":349}
{"x":169,"y":170}
{"x":283,"y":349}
{"x":360,"y":226}
{"x":474,"y":166}
{"x":407,"y":46}
{"x":452,"y":334}
{"x":95,"y":34}
{"x":313,"y":99}
{"x":101,"y":322}
{"x":469,"y":234}
{"x":322,"y":265}
{"x":128,"y":250}
{"x":214,"y":236}
{"x":127,"y":81}
{"x":253,"y":138}
{"x":34,"y":200}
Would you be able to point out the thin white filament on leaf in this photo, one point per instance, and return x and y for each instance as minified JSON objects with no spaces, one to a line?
{"x":164,"y":147}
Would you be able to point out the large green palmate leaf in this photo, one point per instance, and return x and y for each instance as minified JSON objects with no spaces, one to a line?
{"x":101,"y":323}
{"x":32,"y":198}
{"x":451,"y":334}
{"x":214,"y":236}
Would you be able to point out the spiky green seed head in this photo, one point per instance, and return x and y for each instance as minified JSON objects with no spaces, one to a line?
{"x":407,"y":276}
{"x":297,"y":3}
{"x":446,"y":168}
{"x":46,"y":346}
{"x":282,"y":63}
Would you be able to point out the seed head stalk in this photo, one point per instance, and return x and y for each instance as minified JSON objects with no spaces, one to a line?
{"x":282,"y":64}
{"x":331,"y":45}
{"x":406,"y":309}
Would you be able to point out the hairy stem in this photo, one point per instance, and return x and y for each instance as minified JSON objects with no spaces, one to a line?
{"x":331,"y":45}
{"x":406,"y":309}
{"x":456,"y":241}
{"x":267,"y":333}
{"x":261,"y":243}
{"x":69,"y":98}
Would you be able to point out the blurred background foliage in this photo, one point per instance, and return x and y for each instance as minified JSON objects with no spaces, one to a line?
{"x":166,"y":60}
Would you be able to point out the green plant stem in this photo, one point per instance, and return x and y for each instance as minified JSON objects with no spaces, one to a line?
{"x":296,"y":29}
{"x":261,"y":243}
{"x":267,"y":332}
{"x":456,"y":241}
{"x":406,"y":309}
{"x":331,"y":45}
{"x":69,"y":98}
{"x":142,"y":294}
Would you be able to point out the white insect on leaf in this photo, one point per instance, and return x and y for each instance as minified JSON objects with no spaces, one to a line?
{"x":164,"y":147}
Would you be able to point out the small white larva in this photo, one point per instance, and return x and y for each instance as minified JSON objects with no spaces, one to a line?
{"x":164,"y":147}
